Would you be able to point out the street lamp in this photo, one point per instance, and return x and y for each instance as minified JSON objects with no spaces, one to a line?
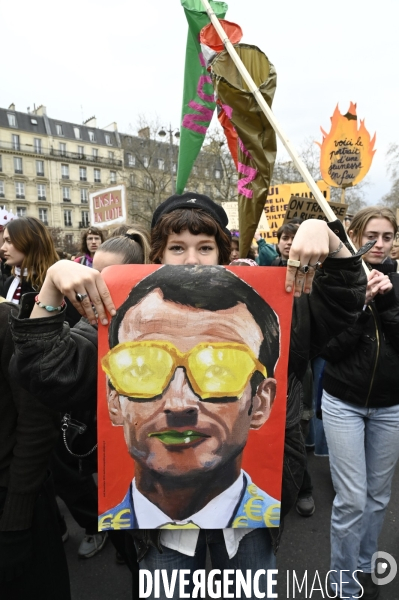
{"x":162,"y":133}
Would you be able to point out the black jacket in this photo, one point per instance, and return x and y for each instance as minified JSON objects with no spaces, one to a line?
{"x":363,"y":361}
{"x":59,"y":365}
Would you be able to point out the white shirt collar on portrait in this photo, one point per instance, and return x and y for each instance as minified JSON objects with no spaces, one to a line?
{"x":215,"y":515}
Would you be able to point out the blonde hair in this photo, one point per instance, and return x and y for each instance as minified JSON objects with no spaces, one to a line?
{"x":133,"y":244}
{"x":361,"y":218}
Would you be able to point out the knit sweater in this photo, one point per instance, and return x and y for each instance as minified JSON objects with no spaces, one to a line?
{"x":28,"y":432}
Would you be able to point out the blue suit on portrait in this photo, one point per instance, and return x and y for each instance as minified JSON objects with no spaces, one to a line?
{"x":255,"y":509}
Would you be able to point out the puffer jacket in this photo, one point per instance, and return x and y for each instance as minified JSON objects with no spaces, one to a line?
{"x":363,"y":361}
{"x":59,"y":365}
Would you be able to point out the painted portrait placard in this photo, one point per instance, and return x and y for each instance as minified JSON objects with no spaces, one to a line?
{"x":192,"y":396}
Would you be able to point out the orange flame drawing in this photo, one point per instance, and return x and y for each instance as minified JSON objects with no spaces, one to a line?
{"x":347,"y":151}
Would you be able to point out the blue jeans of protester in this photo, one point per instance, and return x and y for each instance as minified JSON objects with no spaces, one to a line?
{"x":364,"y":448}
{"x":255,"y":552}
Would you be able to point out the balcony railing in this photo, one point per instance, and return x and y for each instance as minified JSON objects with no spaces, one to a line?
{"x":60,"y":154}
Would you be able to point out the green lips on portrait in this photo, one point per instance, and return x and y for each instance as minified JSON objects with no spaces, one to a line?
{"x":178,"y":437}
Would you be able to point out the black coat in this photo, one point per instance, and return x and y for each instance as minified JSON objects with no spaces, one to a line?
{"x":363,"y":361}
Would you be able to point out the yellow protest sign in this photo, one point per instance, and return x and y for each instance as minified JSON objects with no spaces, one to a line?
{"x":277,"y":204}
{"x":346,"y":151}
{"x":310,"y":209}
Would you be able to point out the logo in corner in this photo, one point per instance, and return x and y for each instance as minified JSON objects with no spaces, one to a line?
{"x":385,"y":568}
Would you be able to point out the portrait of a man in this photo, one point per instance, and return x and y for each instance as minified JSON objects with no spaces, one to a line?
{"x":189,"y":373}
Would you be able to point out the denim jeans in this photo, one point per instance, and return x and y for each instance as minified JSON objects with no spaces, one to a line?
{"x":255,"y":552}
{"x":364,"y":447}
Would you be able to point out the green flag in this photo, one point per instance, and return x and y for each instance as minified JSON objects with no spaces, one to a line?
{"x":198,"y":99}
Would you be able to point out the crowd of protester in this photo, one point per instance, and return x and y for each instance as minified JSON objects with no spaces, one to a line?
{"x":343,"y":365}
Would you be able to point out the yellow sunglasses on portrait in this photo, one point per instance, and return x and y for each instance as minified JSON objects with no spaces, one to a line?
{"x":215,"y":370}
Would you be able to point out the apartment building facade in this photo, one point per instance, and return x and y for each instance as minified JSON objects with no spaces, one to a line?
{"x":48,"y":167}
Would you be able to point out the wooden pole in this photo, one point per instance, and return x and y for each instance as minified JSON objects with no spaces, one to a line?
{"x":343,"y":196}
{"x":300,"y":165}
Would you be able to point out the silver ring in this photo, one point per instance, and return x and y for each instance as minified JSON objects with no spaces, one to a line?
{"x":317,"y":265}
{"x":80,"y":297}
{"x":305,"y":269}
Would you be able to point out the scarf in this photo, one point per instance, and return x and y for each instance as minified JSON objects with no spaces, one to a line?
{"x":16,"y":282}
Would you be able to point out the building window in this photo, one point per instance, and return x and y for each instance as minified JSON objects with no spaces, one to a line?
{"x":83,"y":196}
{"x":112,"y":176}
{"x":174,"y":167}
{"x":206,"y":172}
{"x":85,"y":218}
{"x":37,"y":142}
{"x":58,"y":129}
{"x":76,"y":131}
{"x":15,"y":142}
{"x":19,"y":189}
{"x":108,"y":139}
{"x":65,"y":171}
{"x":21,"y":211}
{"x":208,"y":190}
{"x":92,"y":137}
{"x":218,"y":174}
{"x":41,"y":191}
{"x":1,"y":189}
{"x":146,"y":161}
{"x":111,"y":155}
{"x":66,"y":193}
{"x":81,"y":151}
{"x":95,"y":152}
{"x":40,"y":168}
{"x":195,"y":170}
{"x":12,"y":120}
{"x":147,"y":183}
{"x":82,"y":173}
{"x":62,"y":149}
{"x":43,"y":215}
{"x":161,"y":164}
{"x":97,"y":176}
{"x":68,"y":218}
{"x":131,"y":160}
{"x":18,"y":165}
{"x":132,"y":179}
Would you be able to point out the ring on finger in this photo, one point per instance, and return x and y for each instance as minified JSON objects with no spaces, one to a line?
{"x":80,"y":297}
{"x":293,"y":263}
{"x":305,"y":269}
{"x":316,"y":265}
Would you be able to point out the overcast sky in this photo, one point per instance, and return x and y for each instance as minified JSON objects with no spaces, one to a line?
{"x":122,"y":58}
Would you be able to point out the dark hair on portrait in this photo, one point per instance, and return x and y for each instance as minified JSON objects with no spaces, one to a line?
{"x":195,"y":221}
{"x":90,"y":231}
{"x":210,"y":288}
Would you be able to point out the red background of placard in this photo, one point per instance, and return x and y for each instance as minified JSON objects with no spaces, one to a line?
{"x":263,"y":454}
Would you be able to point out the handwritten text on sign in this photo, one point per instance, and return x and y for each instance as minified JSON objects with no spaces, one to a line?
{"x":346,"y":151}
{"x":310,"y":209}
{"x":108,"y":207}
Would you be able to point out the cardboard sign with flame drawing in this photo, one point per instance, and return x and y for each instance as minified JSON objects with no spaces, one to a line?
{"x":347,"y":151}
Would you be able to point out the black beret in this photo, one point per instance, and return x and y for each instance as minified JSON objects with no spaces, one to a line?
{"x":191,"y":200}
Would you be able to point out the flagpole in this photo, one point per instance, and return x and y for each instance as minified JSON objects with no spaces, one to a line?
{"x":300,"y":165}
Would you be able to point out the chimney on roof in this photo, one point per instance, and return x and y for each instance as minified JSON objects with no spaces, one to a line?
{"x":112,"y":127}
{"x":40,"y":111}
{"x":12,"y":106}
{"x":92,"y":122}
{"x":144,"y":133}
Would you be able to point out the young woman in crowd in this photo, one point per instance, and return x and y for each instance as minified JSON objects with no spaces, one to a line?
{"x":361,"y":410}
{"x":188,"y":233}
{"x":29,"y":249}
{"x":285,"y":237}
